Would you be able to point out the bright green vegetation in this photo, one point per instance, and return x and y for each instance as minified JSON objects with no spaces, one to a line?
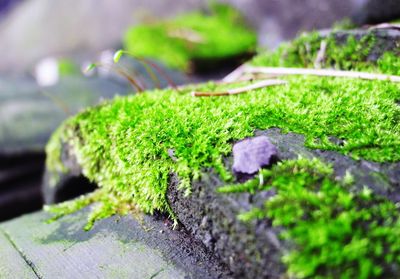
{"x":220,"y":34}
{"x":124,"y":145}
{"x":344,"y":24}
{"x":130,"y":146}
{"x":67,"y":67}
{"x":335,"y":231}
{"x":351,"y":55}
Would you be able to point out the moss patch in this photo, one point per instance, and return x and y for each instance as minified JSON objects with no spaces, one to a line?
{"x":67,"y":67}
{"x":352,"y":54}
{"x":220,"y":34}
{"x":130,"y":146}
{"x":335,"y":231}
{"x":125,"y":145}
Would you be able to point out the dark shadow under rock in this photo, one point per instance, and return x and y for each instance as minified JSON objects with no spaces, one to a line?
{"x":20,"y":179}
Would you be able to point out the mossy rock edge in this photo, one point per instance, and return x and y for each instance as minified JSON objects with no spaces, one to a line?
{"x":332,"y":212}
{"x":372,"y":50}
{"x":212,"y":217}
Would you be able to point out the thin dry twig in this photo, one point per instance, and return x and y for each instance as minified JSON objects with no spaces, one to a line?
{"x":162,"y":73}
{"x":135,"y":84}
{"x":235,"y":75}
{"x":247,"y":77}
{"x":57,"y":101}
{"x":240,"y":90}
{"x":313,"y":72}
{"x":122,"y":72}
{"x":150,"y":67}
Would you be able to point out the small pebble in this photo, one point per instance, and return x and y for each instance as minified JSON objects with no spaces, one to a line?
{"x":252,"y":154}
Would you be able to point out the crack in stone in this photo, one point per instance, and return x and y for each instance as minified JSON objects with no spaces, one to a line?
{"x":23,"y":256}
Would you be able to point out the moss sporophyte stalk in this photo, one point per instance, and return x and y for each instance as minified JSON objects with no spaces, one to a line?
{"x":124,"y":146}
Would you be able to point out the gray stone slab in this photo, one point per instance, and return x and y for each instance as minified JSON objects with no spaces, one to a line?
{"x":118,"y":247}
{"x":102,"y":256}
{"x":12,"y":264}
{"x":29,"y":113}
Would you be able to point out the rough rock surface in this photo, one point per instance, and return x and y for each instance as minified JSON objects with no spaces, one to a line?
{"x":385,"y":39}
{"x":212,"y":217}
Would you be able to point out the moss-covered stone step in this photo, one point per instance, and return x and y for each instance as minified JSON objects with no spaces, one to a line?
{"x":375,"y":50}
{"x":328,"y":207}
{"x":212,"y":217}
{"x":118,"y":247}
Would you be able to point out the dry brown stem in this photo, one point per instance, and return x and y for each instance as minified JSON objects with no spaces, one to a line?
{"x":240,"y":90}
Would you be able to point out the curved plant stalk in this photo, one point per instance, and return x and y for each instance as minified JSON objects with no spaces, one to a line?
{"x":149,"y":66}
{"x":57,"y":101}
{"x":121,"y":71}
{"x":134,"y":82}
{"x":143,"y":62}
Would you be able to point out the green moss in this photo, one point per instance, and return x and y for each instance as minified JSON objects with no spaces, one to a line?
{"x":335,"y":231}
{"x":53,"y":161}
{"x":220,"y":34}
{"x":389,"y":63}
{"x":351,"y":55}
{"x":107,"y":204}
{"x":344,"y":24}
{"x":67,"y":67}
{"x":124,"y":145}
